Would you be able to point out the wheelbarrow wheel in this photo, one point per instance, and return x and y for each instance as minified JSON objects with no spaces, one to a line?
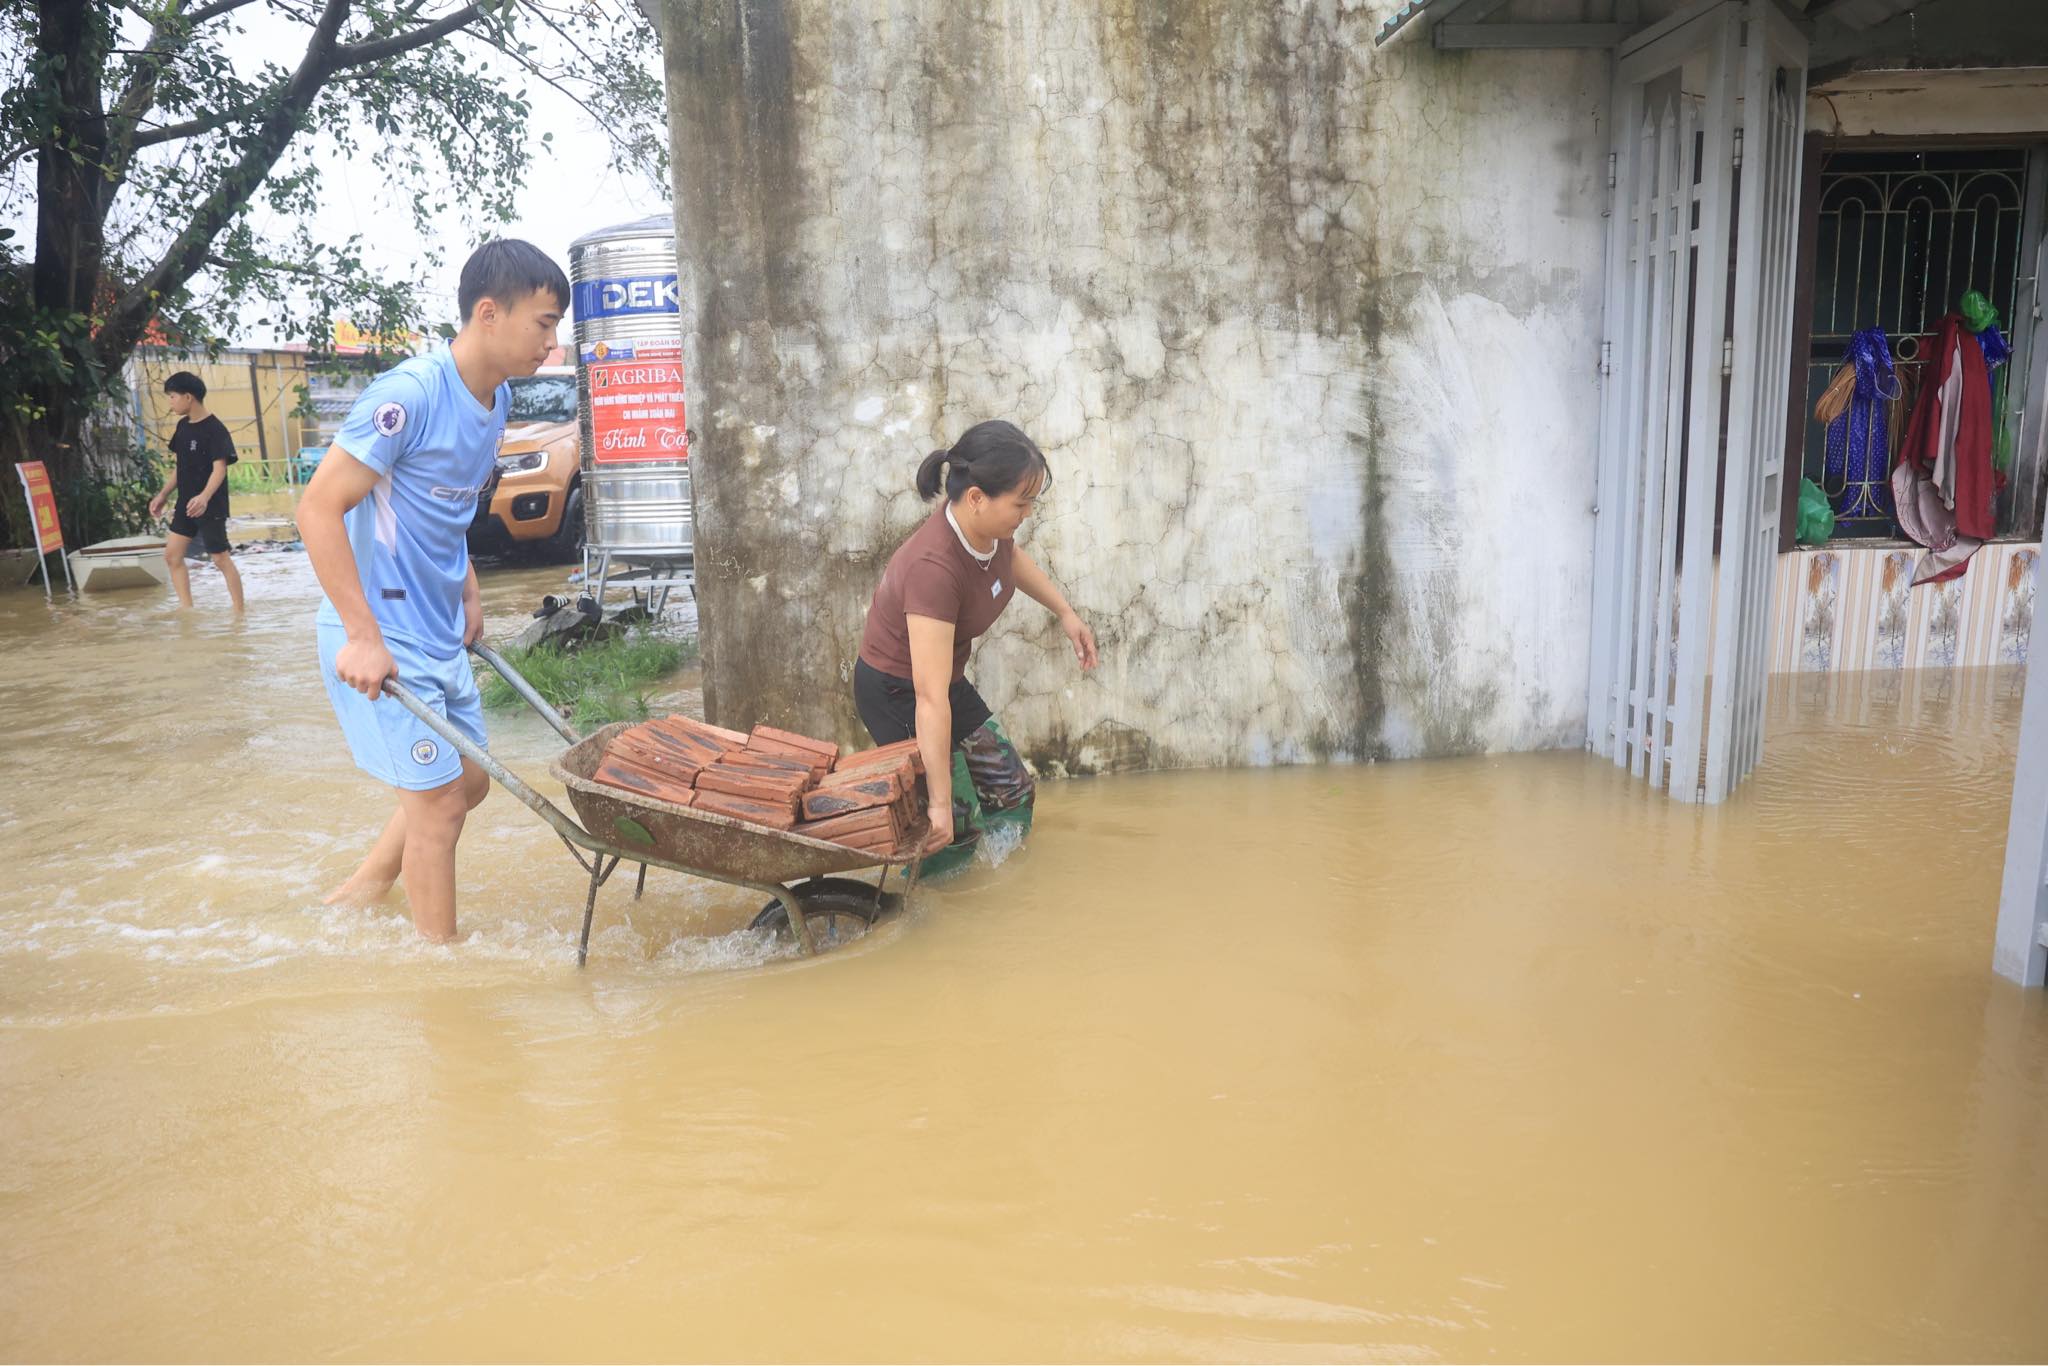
{"x":839,"y":910}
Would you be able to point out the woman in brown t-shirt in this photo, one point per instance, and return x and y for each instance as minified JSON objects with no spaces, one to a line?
{"x":943,"y":588}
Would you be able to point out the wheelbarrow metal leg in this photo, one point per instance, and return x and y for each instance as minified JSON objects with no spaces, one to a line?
{"x":589,"y":910}
{"x":600,"y":871}
{"x":640,"y":885}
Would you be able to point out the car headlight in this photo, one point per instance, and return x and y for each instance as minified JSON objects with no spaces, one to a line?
{"x":523,"y":463}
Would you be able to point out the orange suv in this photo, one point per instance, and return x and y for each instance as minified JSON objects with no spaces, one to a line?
{"x":535,"y":501}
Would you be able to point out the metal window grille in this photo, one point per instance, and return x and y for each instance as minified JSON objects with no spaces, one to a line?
{"x":1902,"y":235}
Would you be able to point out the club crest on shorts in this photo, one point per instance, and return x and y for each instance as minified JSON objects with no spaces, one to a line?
{"x":389,"y":419}
{"x":425,"y":752}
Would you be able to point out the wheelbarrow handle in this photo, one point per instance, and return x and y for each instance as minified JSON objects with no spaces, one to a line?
{"x":506,"y":778}
{"x":525,"y":690}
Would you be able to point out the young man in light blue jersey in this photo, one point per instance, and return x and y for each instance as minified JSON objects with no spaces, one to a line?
{"x":385,"y":521}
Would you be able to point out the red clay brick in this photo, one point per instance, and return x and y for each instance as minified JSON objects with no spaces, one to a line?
{"x":662,"y":750}
{"x":645,"y":741}
{"x":882,"y":755}
{"x":723,"y":780}
{"x":825,"y":803}
{"x":812,"y":766}
{"x":768,"y":744}
{"x":630,"y":777}
{"x":883,"y":848}
{"x":690,"y":740}
{"x":809,"y":757}
{"x":890,"y":782}
{"x":690,"y":725}
{"x":739,"y":808}
{"x":653,"y":757}
{"x":795,"y":779}
{"x":902,"y":771}
{"x":859,"y":822}
{"x":769,"y":779}
{"x":825,"y":749}
{"x":750,"y":758}
{"x":696,"y":755}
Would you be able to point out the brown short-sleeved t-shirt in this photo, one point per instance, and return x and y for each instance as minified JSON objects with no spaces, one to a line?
{"x":932,"y":575}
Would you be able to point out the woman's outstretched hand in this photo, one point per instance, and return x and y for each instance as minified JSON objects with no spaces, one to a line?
{"x":942,"y":828}
{"x":1083,"y":639}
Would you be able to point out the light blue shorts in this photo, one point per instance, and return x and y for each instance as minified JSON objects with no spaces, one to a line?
{"x":390,"y":743}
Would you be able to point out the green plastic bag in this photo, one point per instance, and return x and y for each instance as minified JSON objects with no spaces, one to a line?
{"x":1816,"y":517}
{"x":1978,"y":314}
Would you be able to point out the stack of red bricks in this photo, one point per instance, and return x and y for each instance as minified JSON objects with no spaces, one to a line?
{"x":869,"y":800}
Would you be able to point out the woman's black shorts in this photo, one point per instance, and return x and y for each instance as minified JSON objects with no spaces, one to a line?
{"x":888,"y":706}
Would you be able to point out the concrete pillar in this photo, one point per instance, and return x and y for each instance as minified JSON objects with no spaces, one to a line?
{"x":2023,"y":897}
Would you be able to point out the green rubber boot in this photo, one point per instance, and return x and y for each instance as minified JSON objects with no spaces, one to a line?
{"x":991,"y":789}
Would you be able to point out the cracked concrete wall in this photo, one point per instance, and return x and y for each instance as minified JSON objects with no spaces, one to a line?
{"x":1307,"y":330}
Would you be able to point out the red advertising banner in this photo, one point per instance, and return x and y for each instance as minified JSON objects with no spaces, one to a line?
{"x":42,"y":503}
{"x":636,"y":400}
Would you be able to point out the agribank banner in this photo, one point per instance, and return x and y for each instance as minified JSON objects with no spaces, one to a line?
{"x":636,"y":400}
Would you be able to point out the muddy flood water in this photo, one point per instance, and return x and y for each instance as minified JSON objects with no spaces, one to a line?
{"x":1493,"y":1058}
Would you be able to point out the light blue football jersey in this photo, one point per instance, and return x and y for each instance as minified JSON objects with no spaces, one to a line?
{"x":419,"y":427}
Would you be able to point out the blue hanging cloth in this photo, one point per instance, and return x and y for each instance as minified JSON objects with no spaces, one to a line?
{"x":1859,"y":441}
{"x":1997,"y":351}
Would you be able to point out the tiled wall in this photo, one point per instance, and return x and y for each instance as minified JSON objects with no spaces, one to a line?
{"x":1852,"y":607}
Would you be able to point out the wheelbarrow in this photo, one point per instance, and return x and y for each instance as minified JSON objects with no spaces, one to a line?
{"x":798,"y":873}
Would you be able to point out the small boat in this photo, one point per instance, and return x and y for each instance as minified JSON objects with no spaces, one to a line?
{"x":125,"y":562}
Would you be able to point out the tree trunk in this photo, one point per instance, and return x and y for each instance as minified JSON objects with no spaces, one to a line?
{"x":71,"y":206}
{"x":70,"y":193}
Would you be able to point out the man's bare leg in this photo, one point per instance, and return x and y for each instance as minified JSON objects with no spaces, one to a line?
{"x":225,"y":563}
{"x":371,"y":882}
{"x":433,"y":823}
{"x":380,"y":869}
{"x":174,"y":557}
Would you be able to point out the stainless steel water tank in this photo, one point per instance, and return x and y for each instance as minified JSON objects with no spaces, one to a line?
{"x":629,"y":379}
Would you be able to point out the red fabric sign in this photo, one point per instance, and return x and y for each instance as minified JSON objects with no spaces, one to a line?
{"x":42,"y":504}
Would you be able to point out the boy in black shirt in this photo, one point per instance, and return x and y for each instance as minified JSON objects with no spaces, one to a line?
{"x":203,"y":451}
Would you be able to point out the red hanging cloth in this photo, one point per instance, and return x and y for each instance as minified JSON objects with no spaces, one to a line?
{"x":1943,"y":484}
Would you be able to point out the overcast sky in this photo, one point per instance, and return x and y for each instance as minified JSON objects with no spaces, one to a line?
{"x":569,"y":190}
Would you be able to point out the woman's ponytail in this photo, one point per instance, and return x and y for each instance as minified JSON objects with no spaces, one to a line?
{"x":994,"y":457}
{"x":929,"y":480}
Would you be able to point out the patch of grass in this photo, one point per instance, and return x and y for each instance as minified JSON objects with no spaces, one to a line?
{"x":603,"y":708}
{"x":597,"y":683}
{"x":256,"y":476}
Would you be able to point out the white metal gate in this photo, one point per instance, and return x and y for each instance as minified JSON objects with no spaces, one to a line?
{"x":1702,"y":242}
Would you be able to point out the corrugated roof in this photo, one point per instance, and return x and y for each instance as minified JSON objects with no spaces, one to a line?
{"x":1412,"y":9}
{"x":1857,"y":14}
{"x":1861,"y":13}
